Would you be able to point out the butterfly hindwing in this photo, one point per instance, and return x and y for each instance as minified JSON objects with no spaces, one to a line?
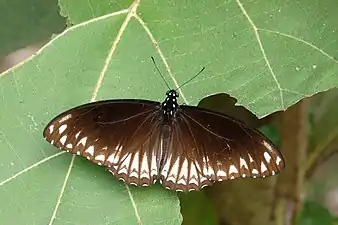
{"x":217,"y":149}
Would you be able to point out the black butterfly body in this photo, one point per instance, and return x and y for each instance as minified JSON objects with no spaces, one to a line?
{"x":184,"y":147}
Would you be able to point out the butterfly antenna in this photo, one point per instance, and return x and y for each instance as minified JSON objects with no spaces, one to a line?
{"x":190,"y":79}
{"x":158,"y":70}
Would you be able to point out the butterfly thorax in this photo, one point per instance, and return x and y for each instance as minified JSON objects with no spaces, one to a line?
{"x":170,"y":105}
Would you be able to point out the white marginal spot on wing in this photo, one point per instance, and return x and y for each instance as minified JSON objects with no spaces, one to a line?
{"x":183,"y":173}
{"x":51,"y":129}
{"x":251,"y":159}
{"x":174,"y":170}
{"x":123,"y":170}
{"x":90,"y":150}
{"x":144,"y":167}
{"x":278,"y":160}
{"x":233,"y":169}
{"x":145,"y":185}
{"x":117,"y":147}
{"x":101,"y":157}
{"x":82,"y":141}
{"x":153,"y":165}
{"x":221,"y":174}
{"x":267,"y":157}
{"x":273,"y":173}
{"x":69,"y":145}
{"x":78,"y":153}
{"x":254,"y":171}
{"x":105,"y":148}
{"x":115,"y":167}
{"x":110,"y":159}
{"x":207,"y":170}
{"x":52,"y":141}
{"x":117,"y":157}
{"x":62,"y":128}
{"x":165,"y":169}
{"x":77,"y":134}
{"x":114,"y":157}
{"x":193,"y":174}
{"x":125,"y":164}
{"x":119,"y":154}
{"x":63,"y":139}
{"x":198,"y":168}
{"x":202,"y":179}
{"x":263,"y":167}
{"x":267,"y":145}
{"x":134,"y":166}
{"x":242,"y":163}
{"x":66,"y":117}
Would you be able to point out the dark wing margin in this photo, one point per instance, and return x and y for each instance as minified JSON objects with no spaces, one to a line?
{"x":213,"y":147}
{"x":122,"y":135}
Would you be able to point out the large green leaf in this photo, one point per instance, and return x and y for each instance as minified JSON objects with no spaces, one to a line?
{"x":24,"y":23}
{"x":266,"y":54}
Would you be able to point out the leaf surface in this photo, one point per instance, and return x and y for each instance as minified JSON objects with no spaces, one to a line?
{"x":27,"y":22}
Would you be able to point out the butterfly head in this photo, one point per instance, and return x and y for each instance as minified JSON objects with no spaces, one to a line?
{"x":170,"y":105}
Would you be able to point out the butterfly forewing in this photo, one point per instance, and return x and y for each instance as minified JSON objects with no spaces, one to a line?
{"x":122,"y":135}
{"x":212,"y":147}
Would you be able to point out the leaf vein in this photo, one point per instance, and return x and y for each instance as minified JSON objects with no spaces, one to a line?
{"x":255,"y":29}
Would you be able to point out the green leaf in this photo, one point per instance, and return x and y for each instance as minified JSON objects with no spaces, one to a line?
{"x":78,"y":11}
{"x":197,"y":209}
{"x":27,"y":22}
{"x":266,"y":54}
{"x":313,"y":214}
